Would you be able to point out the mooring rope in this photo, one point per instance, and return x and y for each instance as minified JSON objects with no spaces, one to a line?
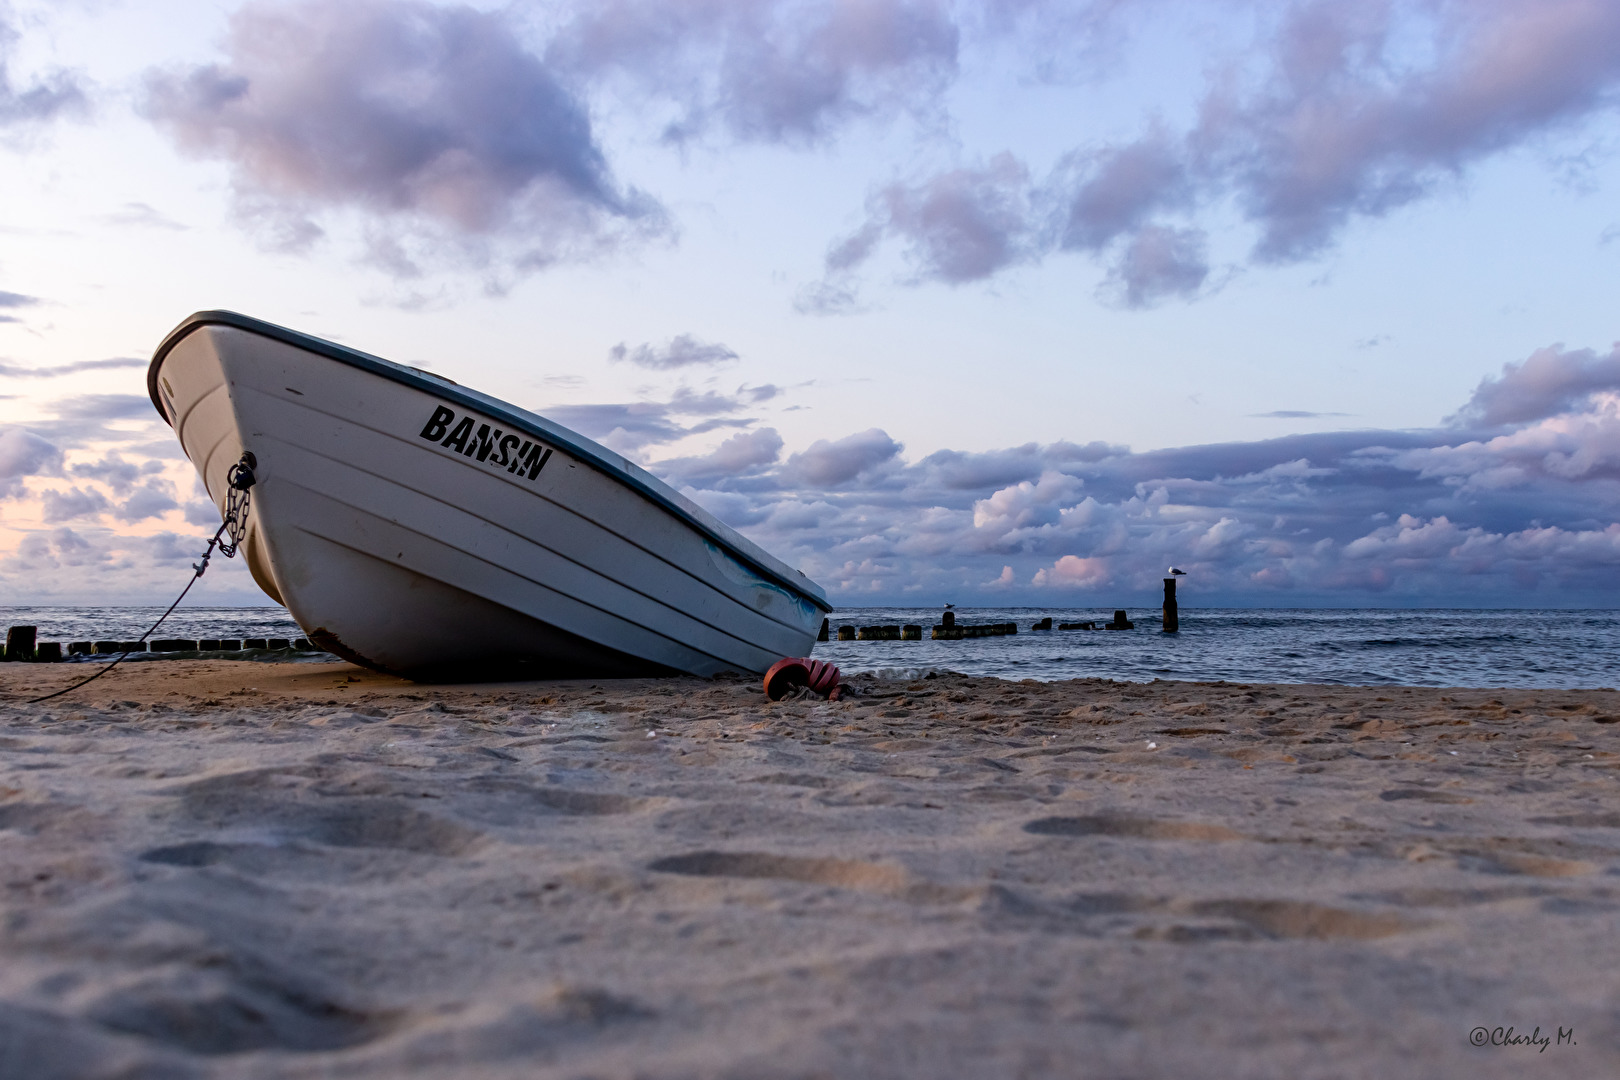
{"x":238,"y":497}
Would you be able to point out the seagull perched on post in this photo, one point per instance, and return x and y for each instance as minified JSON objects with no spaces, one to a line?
{"x":1173,"y":572}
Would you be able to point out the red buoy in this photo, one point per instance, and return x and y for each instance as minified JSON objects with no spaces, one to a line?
{"x":790,"y":673}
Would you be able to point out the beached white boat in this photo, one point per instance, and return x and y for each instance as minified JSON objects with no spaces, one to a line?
{"x":418,"y":527}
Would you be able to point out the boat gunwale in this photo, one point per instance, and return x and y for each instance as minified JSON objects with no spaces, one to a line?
{"x":587,"y":451}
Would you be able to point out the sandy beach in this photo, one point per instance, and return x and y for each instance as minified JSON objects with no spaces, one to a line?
{"x":218,"y":868}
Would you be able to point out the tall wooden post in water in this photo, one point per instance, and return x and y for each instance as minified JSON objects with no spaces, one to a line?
{"x":1172,"y":619}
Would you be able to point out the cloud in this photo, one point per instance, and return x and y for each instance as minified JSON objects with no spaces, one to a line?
{"x":1350,"y":123}
{"x":16,"y":300}
{"x":72,"y":503}
{"x":102,"y":407}
{"x":1159,"y":262}
{"x":688,"y":402}
{"x":1025,"y":504}
{"x":1516,"y":513}
{"x":60,"y":547}
{"x":630,"y":428}
{"x":757,"y":394}
{"x":1549,"y":381}
{"x":1343,"y":110}
{"x":16,"y":371}
{"x":1111,"y":192}
{"x":115,"y":472}
{"x":1071,"y":571}
{"x":829,"y":464}
{"x":101,"y":419}
{"x":1357,"y":109}
{"x":54,"y":95}
{"x":152,"y":499}
{"x":1062,"y":41}
{"x":963,"y":225}
{"x":956,"y":470}
{"x":766,"y":70}
{"x":633,"y":427}
{"x":203,"y":513}
{"x":24,"y":453}
{"x":684,"y":350}
{"x":430,"y":121}
{"x":743,"y":453}
{"x":836,"y":294}
{"x":142,"y":215}
{"x":958,"y":226}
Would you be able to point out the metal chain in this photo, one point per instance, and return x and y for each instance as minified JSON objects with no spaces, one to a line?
{"x":238,"y":499}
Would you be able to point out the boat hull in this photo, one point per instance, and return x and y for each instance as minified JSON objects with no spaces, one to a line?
{"x":421,"y":529}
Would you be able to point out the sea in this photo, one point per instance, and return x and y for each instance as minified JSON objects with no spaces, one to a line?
{"x":1557,"y":649}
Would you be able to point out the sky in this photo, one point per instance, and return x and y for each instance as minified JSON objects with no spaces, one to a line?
{"x":1017,"y":302}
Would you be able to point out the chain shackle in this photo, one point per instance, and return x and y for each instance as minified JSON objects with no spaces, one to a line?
{"x":238,"y":500}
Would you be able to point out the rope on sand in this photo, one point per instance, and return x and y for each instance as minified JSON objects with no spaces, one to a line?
{"x":238,"y":497}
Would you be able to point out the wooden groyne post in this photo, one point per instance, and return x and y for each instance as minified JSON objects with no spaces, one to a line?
{"x":20,"y":643}
{"x":1172,"y":618}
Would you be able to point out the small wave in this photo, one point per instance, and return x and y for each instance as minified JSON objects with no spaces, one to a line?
{"x":909,"y":673}
{"x":1446,"y":641}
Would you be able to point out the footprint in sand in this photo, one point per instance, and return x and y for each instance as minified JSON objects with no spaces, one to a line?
{"x":1424,"y":795}
{"x":204,"y":853}
{"x":1457,"y":898}
{"x":499,"y":1031}
{"x":804,"y":780}
{"x":528,"y":797}
{"x":1300,"y":919}
{"x":1132,"y":828}
{"x":1581,"y":821}
{"x":232,"y":1011}
{"x":1240,"y":919}
{"x":33,"y":817}
{"x":841,"y":873}
{"x":288,"y":804}
{"x":373,"y":823}
{"x":1510,"y":862}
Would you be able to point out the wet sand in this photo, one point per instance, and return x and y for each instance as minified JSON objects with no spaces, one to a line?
{"x":217,"y":868}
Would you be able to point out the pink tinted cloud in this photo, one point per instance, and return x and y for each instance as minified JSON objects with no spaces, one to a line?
{"x":1422,"y":516}
{"x":1072,"y":571}
{"x":1546,"y":382}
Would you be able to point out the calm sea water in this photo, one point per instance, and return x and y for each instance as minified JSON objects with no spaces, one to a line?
{"x":67,"y":624}
{"x":1562,"y":649}
{"x":1528,"y":648}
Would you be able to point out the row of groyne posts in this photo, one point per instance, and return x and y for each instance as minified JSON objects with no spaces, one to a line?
{"x":22,"y":646}
{"x":949,"y":630}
